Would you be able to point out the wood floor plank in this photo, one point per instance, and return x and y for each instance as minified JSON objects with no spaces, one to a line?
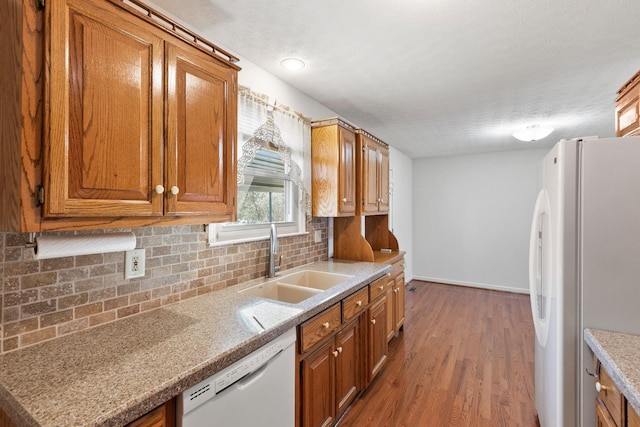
{"x":465,"y":358}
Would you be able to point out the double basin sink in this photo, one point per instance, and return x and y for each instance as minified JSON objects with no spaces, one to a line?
{"x":297,"y":287}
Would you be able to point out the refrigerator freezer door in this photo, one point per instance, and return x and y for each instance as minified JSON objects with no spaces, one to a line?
{"x":545,"y":275}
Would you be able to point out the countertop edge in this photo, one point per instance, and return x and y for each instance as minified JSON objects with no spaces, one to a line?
{"x":621,"y":380}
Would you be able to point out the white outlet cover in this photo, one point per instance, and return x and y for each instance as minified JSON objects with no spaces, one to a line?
{"x":318,"y":236}
{"x":134,"y":263}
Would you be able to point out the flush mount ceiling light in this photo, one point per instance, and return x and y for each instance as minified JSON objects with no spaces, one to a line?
{"x":533,"y":133}
{"x":292,"y":64}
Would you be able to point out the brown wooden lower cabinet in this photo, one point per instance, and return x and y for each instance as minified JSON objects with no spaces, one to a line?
{"x":163,"y":416}
{"x":633,"y":419}
{"x":612,"y":407}
{"x":338,"y":359}
{"x":377,"y":337}
{"x":603,"y":419}
{"x":330,"y":377}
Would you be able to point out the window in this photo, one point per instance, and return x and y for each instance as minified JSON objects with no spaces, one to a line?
{"x":272,"y":186}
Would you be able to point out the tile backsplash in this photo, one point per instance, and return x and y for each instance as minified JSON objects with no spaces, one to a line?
{"x":42,"y":300}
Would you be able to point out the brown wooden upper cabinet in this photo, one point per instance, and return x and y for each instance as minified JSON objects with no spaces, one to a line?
{"x":333,"y":157}
{"x":373,"y":171}
{"x":136,"y":124}
{"x":628,"y":108}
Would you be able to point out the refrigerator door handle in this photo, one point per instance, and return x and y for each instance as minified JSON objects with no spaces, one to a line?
{"x":539,"y":266}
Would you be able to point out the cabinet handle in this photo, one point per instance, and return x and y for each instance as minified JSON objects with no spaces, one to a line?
{"x":359,"y":303}
{"x":325,"y":325}
{"x":339,"y":349}
{"x":600,"y":387}
{"x":388,"y":274}
{"x":344,"y":200}
{"x":159,"y":189}
{"x":381,"y":287}
{"x":335,"y":354}
{"x":373,"y":321}
{"x":175,"y":190}
{"x":395,"y":290}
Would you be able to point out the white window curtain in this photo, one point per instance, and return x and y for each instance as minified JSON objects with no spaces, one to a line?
{"x":262,"y":122}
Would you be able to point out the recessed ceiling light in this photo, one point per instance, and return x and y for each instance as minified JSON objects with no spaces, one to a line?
{"x":292,"y":64}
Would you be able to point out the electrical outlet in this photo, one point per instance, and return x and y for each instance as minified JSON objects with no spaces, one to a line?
{"x":318,"y":236}
{"x":134,"y":264}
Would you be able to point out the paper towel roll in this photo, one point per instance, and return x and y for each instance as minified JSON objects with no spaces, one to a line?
{"x":62,"y":246}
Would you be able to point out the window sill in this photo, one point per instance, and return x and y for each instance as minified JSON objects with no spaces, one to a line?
{"x":254,"y":239}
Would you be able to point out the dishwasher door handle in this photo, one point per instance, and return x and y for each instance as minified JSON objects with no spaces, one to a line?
{"x":251,"y":378}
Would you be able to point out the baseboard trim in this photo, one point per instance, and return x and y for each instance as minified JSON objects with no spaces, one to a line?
{"x":473,"y":285}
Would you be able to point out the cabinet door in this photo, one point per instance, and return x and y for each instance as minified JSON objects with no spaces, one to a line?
{"x":369,"y":177}
{"x":391,"y":321}
{"x":348,"y":363}
{"x":105,"y":112}
{"x":201,"y":134}
{"x":628,"y":113}
{"x":603,"y":419}
{"x":347,"y":175}
{"x":377,"y":337}
{"x":383,"y":180}
{"x":162,"y":416}
{"x":318,"y":387}
{"x":398,"y":312}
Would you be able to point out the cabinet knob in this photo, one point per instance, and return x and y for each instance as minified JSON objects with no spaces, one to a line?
{"x":600,"y":387}
{"x":359,"y":303}
{"x":373,"y":321}
{"x":381,"y":287}
{"x":395,"y":290}
{"x":339,"y":349}
{"x":335,"y":354}
{"x":325,"y":325}
{"x":159,"y":189}
{"x":344,"y":200}
{"x":175,"y":190}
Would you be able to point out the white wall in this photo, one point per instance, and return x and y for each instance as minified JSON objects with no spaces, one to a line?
{"x":472,"y":218}
{"x":401,"y":210}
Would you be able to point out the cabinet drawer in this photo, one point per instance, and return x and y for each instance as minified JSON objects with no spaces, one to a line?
{"x":633,"y":419}
{"x":319,"y":327}
{"x":355,"y":304}
{"x":397,"y":267}
{"x":378,"y":287}
{"x":611,"y":397}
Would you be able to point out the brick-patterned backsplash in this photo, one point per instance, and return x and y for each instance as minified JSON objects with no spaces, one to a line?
{"x":41,"y":300}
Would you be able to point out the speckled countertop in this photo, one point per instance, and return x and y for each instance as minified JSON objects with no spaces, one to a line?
{"x":112,"y":374}
{"x":620,"y":355}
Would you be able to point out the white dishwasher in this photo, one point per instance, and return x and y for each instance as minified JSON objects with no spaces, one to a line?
{"x":257,"y":390}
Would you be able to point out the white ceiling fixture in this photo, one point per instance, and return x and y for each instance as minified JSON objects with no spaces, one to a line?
{"x":533,"y":133}
{"x":292,"y":64}
{"x":428,"y":76}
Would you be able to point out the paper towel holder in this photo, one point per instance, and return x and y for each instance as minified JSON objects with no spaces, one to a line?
{"x":31,"y":241}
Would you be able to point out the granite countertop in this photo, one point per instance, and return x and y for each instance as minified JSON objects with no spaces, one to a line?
{"x":620,"y":355}
{"x":114,"y":373}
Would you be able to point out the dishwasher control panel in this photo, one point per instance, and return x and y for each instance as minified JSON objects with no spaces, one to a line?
{"x":247,"y":365}
{"x":207,"y":389}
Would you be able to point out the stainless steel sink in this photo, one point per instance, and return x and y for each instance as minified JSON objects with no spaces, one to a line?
{"x":314,"y":279}
{"x":281,"y":292}
{"x":296,"y":287}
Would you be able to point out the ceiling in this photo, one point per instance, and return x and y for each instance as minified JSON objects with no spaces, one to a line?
{"x":440,"y":77}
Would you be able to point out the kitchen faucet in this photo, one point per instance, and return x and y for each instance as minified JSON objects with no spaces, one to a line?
{"x":273,"y":251}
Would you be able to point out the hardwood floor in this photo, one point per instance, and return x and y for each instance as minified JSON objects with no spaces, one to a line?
{"x":465,"y":358}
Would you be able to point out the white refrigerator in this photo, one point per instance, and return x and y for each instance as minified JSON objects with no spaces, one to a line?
{"x":584,"y":267}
